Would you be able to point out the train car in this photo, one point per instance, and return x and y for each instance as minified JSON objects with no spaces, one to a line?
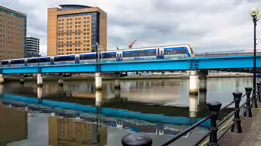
{"x":5,"y":63}
{"x":108,"y":56}
{"x":177,"y":51}
{"x":138,"y":54}
{"x":18,"y":62}
{"x":39,"y":61}
{"x":64,"y":59}
{"x":88,"y":57}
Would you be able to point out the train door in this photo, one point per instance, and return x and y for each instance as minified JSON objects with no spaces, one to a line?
{"x":25,"y":62}
{"x":160,"y":53}
{"x":118,"y":56}
{"x":52,"y":60}
{"x":77,"y":59}
{"x":9,"y":63}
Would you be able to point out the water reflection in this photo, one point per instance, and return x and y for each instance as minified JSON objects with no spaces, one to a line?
{"x":64,"y":131}
{"x":13,"y":125}
{"x":160,"y":97}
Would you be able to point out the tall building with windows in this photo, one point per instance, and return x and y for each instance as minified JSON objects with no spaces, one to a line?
{"x":74,"y":29}
{"x":32,"y":47}
{"x":12,"y":33}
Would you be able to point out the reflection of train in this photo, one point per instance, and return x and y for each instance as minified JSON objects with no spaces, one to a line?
{"x":161,"y":52}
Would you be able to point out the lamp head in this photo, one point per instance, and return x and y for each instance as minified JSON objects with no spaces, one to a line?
{"x":258,"y":17}
{"x":254,"y":12}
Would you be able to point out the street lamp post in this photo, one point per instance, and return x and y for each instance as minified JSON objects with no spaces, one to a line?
{"x":254,"y":13}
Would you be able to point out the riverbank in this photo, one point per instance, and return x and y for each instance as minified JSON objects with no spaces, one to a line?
{"x":91,"y":77}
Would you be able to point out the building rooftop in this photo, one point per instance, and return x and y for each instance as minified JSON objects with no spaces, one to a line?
{"x":73,"y":6}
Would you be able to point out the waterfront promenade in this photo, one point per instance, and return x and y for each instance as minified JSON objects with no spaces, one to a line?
{"x":251,"y":131}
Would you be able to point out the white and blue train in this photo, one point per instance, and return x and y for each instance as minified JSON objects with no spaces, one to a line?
{"x":149,"y":53}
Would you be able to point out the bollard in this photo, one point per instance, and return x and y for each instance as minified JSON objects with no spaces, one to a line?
{"x":248,"y":112}
{"x":136,"y":139}
{"x":214,"y":108}
{"x":258,"y":91}
{"x":236,"y":127}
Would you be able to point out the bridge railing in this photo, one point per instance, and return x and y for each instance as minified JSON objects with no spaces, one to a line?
{"x":217,"y":129}
{"x":227,"y":53}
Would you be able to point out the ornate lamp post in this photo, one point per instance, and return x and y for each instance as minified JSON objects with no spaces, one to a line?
{"x":254,"y":13}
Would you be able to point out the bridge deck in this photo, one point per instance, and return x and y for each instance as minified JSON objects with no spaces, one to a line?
{"x":251,"y":135}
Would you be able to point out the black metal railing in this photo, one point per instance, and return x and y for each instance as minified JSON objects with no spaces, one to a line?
{"x":215,"y":127}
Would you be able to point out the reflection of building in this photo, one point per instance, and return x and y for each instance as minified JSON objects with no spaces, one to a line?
{"x":74,"y":29}
{"x":13,"y":125}
{"x":71,"y":132}
{"x":12,"y":33}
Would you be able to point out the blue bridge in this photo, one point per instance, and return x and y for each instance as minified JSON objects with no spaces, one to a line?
{"x":230,"y":62}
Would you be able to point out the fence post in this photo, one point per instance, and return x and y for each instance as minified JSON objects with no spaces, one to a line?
{"x":254,"y":100}
{"x":248,"y":112}
{"x":136,"y":139}
{"x":236,"y":127}
{"x":258,"y":91}
{"x":214,"y":108}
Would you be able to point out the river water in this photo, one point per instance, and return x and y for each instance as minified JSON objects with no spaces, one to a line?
{"x":164,"y":108}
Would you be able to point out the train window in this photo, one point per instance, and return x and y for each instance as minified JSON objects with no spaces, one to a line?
{"x":88,"y":56}
{"x":126,"y":54}
{"x":150,"y":52}
{"x":64,"y":58}
{"x":17,"y":61}
{"x":135,"y":53}
{"x":170,"y":52}
{"x":45,"y":59}
{"x":33,"y":60}
{"x":108,"y":55}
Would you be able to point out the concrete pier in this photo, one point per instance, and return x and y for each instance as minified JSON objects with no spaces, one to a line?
{"x":117,"y":93}
{"x":203,"y":81}
{"x":2,"y":80}
{"x":98,"y":81}
{"x":193,"y":106}
{"x":60,"y":81}
{"x":98,"y":98}
{"x":39,"y":80}
{"x":117,"y":84}
{"x":193,"y":83}
{"x":22,"y":79}
{"x":202,"y":97}
{"x":39,"y":92}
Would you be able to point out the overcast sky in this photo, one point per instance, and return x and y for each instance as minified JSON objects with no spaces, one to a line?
{"x":209,"y":25}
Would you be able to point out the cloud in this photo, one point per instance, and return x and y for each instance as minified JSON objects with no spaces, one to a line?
{"x":208,"y":26}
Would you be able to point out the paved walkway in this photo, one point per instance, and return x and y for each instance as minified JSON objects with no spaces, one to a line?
{"x":251,"y":135}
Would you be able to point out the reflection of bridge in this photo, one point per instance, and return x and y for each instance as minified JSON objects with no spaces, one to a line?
{"x":111,"y":112}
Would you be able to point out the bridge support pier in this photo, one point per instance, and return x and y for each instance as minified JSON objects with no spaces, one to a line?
{"x":98,"y":98}
{"x":2,"y":80}
{"x":193,"y":83}
{"x":98,"y":81}
{"x":60,"y":81}
{"x":193,"y":106}
{"x":117,"y":84}
{"x":203,"y":86}
{"x":22,"y":79}
{"x":39,"y":94}
{"x":117,"y":93}
{"x":39,"y":80}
